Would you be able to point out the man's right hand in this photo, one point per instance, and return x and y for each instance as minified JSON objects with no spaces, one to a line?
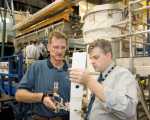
{"x":47,"y":101}
{"x":79,"y":75}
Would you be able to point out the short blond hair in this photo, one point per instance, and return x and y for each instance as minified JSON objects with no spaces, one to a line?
{"x":58,"y":35}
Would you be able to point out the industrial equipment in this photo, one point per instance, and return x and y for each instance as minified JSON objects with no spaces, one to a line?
{"x":11,"y":72}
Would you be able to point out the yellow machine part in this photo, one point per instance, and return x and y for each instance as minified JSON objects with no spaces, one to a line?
{"x":61,"y":16}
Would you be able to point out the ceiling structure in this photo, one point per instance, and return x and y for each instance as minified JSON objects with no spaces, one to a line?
{"x":27,"y":5}
{"x":34,"y":5}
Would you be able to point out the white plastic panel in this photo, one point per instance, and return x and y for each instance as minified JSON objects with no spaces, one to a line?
{"x":78,"y":61}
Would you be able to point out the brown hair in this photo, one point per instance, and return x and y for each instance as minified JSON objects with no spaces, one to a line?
{"x":58,"y":35}
{"x":103,"y":44}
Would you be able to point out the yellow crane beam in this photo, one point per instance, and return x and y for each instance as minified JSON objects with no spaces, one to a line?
{"x":44,"y":13}
{"x":61,"y":16}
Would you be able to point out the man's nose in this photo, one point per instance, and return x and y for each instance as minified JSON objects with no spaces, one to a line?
{"x":59,"y":50}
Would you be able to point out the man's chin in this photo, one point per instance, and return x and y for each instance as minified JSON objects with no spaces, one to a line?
{"x":96,"y":70}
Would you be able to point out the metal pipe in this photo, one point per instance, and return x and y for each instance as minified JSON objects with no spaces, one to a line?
{"x":61,"y":15}
{"x":120,"y":44}
{"x":49,"y":27}
{"x":15,"y":12}
{"x":12,"y":12}
{"x":6,"y":2}
{"x":13,"y":15}
{"x":121,"y":23}
{"x":142,"y":43}
{"x":132,"y":34}
{"x":130,"y":30}
{"x":44,"y":13}
{"x":142,"y":8}
{"x":4,"y":30}
{"x":136,"y":1}
{"x":130,"y":41}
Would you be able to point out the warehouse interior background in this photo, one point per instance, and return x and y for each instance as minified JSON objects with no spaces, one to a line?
{"x":126,"y":23}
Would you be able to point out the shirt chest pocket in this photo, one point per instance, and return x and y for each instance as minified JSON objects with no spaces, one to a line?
{"x":44,"y":83}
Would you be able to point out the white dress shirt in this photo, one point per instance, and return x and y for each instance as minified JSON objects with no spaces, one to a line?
{"x":121,"y":96}
{"x":32,"y":52}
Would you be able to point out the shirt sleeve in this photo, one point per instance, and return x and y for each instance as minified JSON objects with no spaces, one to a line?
{"x":27,"y":81}
{"x":122,"y":100}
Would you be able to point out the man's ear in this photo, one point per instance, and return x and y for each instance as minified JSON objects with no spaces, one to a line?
{"x":48,"y":46}
{"x":109,"y":54}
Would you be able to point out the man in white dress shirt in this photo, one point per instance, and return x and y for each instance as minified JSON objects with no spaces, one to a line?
{"x":115,"y":93}
{"x":31,"y":53}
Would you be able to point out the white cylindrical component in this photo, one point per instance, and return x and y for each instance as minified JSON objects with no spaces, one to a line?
{"x":102,"y":22}
{"x":98,"y":22}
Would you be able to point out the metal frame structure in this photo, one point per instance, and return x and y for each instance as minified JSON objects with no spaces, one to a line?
{"x":134,"y":61}
{"x":132,"y":34}
{"x":129,"y":22}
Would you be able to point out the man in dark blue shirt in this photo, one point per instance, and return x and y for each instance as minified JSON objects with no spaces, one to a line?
{"x":42,"y":77}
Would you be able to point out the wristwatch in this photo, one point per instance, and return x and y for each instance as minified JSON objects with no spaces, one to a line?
{"x":43,"y":96}
{"x":50,"y":94}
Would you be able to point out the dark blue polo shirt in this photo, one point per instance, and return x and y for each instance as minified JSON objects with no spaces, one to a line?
{"x":40,"y":78}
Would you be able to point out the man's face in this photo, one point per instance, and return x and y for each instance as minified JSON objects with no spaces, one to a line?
{"x":99,"y":59}
{"x":57,"y":48}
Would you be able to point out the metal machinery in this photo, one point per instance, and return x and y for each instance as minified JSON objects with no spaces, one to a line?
{"x":11,"y":72}
{"x":144,"y":95}
{"x":61,"y":15}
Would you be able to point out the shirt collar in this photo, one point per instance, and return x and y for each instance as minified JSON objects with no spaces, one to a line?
{"x":108,"y":70}
{"x":50,"y":65}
